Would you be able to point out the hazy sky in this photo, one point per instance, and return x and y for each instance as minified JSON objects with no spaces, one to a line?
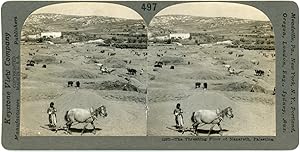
{"x":216,"y":9}
{"x":207,"y":9}
{"x":90,"y":9}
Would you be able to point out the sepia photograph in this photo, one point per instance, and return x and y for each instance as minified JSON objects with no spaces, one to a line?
{"x":211,"y":71}
{"x":83,"y":71}
{"x":97,"y":69}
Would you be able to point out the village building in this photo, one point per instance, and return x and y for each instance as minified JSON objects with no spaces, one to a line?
{"x":180,"y":35}
{"x":30,"y":37}
{"x":51,"y":34}
{"x":162,"y":37}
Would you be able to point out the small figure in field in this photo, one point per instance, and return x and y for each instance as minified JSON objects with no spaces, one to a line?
{"x":178,"y":116}
{"x":205,"y":86}
{"x":77,"y":84}
{"x":52,"y":115}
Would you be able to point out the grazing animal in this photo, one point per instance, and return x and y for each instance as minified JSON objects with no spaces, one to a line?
{"x":70,"y":83}
{"x":106,"y":70}
{"x":213,"y":117}
{"x":158,"y":64}
{"x":77,"y":84}
{"x":255,"y":62}
{"x":259,"y":72}
{"x":205,"y":86}
{"x":240,"y":55}
{"x":189,"y":62}
{"x":172,"y":67}
{"x":131,"y":71}
{"x":141,"y":71}
{"x":232,"y":71}
{"x":30,"y":63}
{"x":227,"y":66}
{"x":265,"y":55}
{"x":197,"y":85}
{"x":44,"y":66}
{"x":127,"y":61}
{"x":274,"y":91}
{"x":84,"y":116}
{"x":273,"y":54}
{"x":252,"y":89}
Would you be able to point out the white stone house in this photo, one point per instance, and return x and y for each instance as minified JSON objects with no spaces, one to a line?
{"x":180,"y":35}
{"x":51,"y":34}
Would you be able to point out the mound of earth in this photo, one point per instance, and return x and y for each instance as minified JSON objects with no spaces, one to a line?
{"x":219,"y":62}
{"x":44,"y":59}
{"x":172,"y":60}
{"x":98,"y":57}
{"x":151,"y":76}
{"x":242,"y":86}
{"x":140,"y":86}
{"x":115,"y":63}
{"x":242,"y":63}
{"x":77,"y":74}
{"x":92,"y":61}
{"x":131,"y":85}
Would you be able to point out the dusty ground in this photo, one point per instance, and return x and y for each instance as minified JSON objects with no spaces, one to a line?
{"x":254,"y":111}
{"x":126,"y":109}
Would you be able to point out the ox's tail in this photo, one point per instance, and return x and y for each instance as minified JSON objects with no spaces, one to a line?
{"x":193,"y":117}
{"x":66,"y":116}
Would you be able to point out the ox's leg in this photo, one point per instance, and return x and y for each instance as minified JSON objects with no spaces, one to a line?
{"x":84,"y":128}
{"x":211,"y":128}
{"x":94,"y":128}
{"x":195,"y":126}
{"x":68,"y":124}
{"x":221,"y":130}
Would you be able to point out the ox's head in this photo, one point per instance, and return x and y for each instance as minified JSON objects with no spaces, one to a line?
{"x":102,"y":111}
{"x":229,"y":113}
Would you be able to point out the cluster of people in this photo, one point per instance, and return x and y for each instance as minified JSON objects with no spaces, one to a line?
{"x":198,"y":85}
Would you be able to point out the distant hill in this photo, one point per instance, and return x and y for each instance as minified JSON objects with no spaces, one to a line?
{"x":188,"y":24}
{"x":37,"y":23}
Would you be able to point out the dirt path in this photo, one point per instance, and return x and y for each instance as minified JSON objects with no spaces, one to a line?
{"x":124,"y":118}
{"x":249,"y":118}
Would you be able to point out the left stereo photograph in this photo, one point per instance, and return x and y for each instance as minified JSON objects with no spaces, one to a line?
{"x":83,"y":70}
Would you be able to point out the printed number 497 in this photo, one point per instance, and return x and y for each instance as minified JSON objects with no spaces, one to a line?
{"x":148,"y":6}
